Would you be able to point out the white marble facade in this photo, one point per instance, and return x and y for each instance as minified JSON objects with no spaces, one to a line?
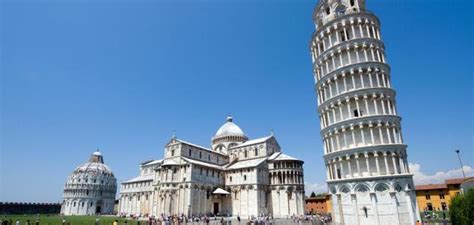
{"x":236,"y":176}
{"x":365,"y":156}
{"x":90,"y":189}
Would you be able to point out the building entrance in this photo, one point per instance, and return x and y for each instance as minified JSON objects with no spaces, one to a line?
{"x":216,"y":207}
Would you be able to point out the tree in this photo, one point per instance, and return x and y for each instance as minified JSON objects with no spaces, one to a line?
{"x":461,"y":210}
{"x":313,"y":194}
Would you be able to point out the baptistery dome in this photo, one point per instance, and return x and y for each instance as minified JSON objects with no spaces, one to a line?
{"x":228,"y":135}
{"x":90,"y":189}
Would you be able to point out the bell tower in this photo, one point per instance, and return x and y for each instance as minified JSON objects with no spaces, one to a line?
{"x":364,"y":152}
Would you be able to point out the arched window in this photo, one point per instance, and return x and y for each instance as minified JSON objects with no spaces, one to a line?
{"x":358,"y":113}
{"x":256,"y":152}
{"x":245,"y":153}
{"x":209,"y":157}
{"x":172,"y":152}
{"x":245,"y":177}
{"x":352,"y":2}
{"x":327,"y":11}
{"x":230,"y":178}
{"x":200,"y":154}
{"x":189,"y":152}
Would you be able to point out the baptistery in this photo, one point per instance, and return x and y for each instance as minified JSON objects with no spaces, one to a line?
{"x":90,"y":189}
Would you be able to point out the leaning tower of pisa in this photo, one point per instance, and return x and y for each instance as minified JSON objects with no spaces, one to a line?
{"x":366,"y":159}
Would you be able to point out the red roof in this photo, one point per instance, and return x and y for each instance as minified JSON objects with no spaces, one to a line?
{"x":441,"y":186}
{"x":430,"y":187}
{"x":456,"y":180}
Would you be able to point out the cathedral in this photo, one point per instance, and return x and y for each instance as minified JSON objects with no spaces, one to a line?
{"x":235,"y":176}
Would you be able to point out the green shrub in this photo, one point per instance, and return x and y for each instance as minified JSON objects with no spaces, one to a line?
{"x":461,"y":210}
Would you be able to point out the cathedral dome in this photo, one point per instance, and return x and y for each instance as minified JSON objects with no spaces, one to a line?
{"x":227,"y":136}
{"x":229,"y":129}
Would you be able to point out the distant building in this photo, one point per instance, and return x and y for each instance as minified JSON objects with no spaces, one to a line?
{"x":90,"y":189}
{"x":467,"y":184}
{"x":436,"y":197}
{"x":320,"y":204}
{"x":236,"y":176}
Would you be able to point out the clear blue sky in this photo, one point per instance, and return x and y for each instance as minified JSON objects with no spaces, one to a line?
{"x":121,"y":76}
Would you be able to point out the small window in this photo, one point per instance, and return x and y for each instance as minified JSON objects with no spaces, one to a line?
{"x":189,"y":152}
{"x":444,"y":207}
{"x":146,"y":197}
{"x":87,"y":192}
{"x":230,"y":178}
{"x":365,"y":212}
{"x":245,"y":177}
{"x":82,"y":204}
{"x":74,"y":204}
{"x":256,"y":152}
{"x":200,"y":171}
{"x":209,"y":157}
{"x":138,"y":197}
{"x":358,"y":113}
{"x":172,"y":152}
{"x":217,"y":159}
{"x":328,"y":11}
{"x":441,"y":196}
{"x":245,"y":154}
{"x":352,"y":2}
{"x":429,"y":207}
{"x":339,"y":173}
{"x":91,"y":204}
{"x":343,"y":36}
{"x":200,"y":154}
{"x":208,"y":194}
{"x":428,"y":197}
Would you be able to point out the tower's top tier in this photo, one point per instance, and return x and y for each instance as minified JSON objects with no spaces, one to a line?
{"x":328,"y":10}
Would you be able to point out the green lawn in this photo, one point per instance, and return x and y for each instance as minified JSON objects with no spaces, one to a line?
{"x":73,"y":220}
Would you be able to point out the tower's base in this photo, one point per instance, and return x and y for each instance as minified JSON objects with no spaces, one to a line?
{"x":374,"y":201}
